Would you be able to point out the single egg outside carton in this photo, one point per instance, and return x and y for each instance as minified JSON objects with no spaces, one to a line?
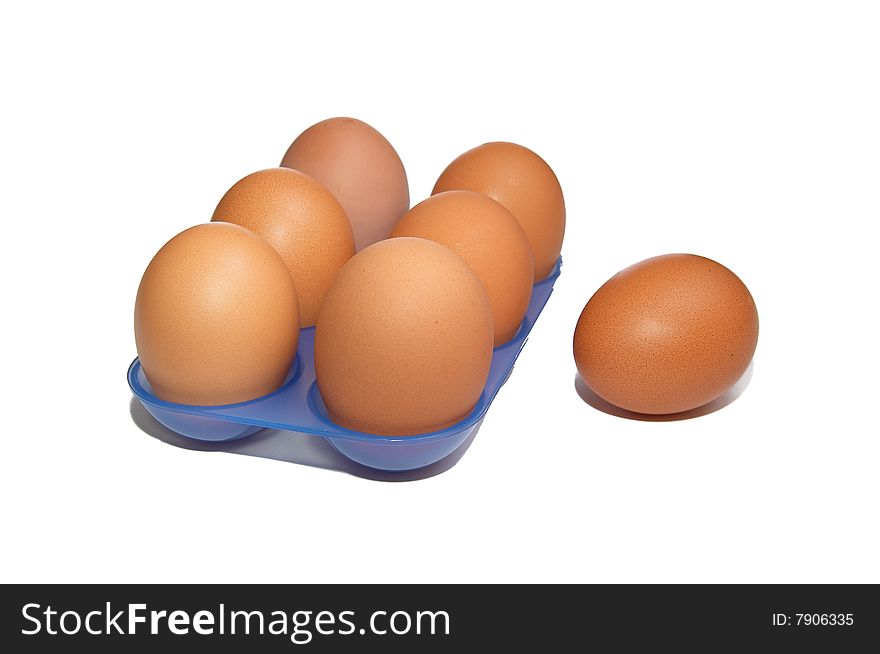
{"x":666,"y":335}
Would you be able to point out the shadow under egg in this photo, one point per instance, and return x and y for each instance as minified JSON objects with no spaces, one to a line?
{"x":589,"y":396}
{"x":291,"y":447}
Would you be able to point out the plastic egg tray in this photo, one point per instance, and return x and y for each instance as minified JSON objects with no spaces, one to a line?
{"x":297,"y":407}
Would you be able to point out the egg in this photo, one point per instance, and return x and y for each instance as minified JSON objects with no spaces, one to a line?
{"x":521,"y":181}
{"x":404,"y":339}
{"x":361,"y":168}
{"x":666,"y":335}
{"x":489,"y":239}
{"x":302,"y":220}
{"x":216,"y":318}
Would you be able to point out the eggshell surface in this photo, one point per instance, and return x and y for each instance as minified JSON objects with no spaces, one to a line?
{"x":521,"y":181}
{"x":302,"y":220}
{"x":666,"y":335}
{"x":489,"y":239}
{"x":216,"y":317}
{"x":361,"y":168}
{"x":403,"y":341}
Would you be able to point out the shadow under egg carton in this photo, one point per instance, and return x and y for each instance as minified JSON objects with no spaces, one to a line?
{"x":297,"y":407}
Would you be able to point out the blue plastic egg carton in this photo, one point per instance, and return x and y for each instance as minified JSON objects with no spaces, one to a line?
{"x":297,"y":407}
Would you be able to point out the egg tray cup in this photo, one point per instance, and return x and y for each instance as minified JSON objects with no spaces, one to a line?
{"x":297,"y":407}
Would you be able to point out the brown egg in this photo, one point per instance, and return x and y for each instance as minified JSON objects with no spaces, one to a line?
{"x":404,"y":339}
{"x":302,"y":220}
{"x":216,"y":319}
{"x":524,"y":183}
{"x":489,"y":239}
{"x":360,"y":168}
{"x":666,"y":335}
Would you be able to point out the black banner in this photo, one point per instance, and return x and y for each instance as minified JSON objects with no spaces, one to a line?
{"x":417,"y":618}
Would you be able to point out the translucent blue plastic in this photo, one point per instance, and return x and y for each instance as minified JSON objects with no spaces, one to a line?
{"x":297,"y":407}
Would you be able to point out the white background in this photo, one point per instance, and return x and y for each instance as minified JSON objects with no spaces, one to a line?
{"x":747,"y":132}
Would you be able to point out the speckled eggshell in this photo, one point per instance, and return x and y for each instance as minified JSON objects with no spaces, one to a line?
{"x":361,"y":168}
{"x":216,"y":320}
{"x":521,"y":181}
{"x":302,"y":220}
{"x":666,"y":335}
{"x":404,"y":338}
{"x":489,"y":239}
